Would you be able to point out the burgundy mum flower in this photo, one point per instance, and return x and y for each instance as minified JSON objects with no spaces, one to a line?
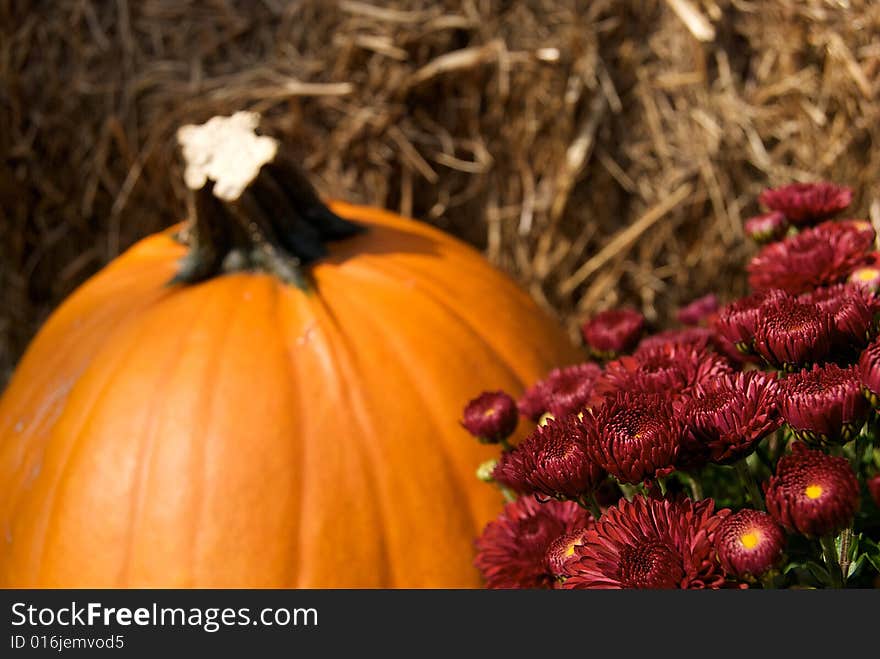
{"x":874,"y":489}
{"x":650,"y":543}
{"x":790,"y":333}
{"x":766,"y":228}
{"x":512,"y":550}
{"x":698,"y":338}
{"x":687,"y":337}
{"x":634,"y":436}
{"x":564,"y":391}
{"x":698,"y":310}
{"x":613,"y":332}
{"x":852,"y":225}
{"x":490,"y":417}
{"x":867,"y":275}
{"x":819,"y":256}
{"x":812,"y":493}
{"x":852,"y":308}
{"x":737,"y":321}
{"x":824,"y":405}
{"x":667,"y":368}
{"x":749,"y":542}
{"x":806,"y":203}
{"x":562,"y":552}
{"x":869,"y":373}
{"x":725,"y":418}
{"x":552,"y":462}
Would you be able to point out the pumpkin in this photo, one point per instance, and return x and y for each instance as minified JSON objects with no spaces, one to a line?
{"x":244,"y":426}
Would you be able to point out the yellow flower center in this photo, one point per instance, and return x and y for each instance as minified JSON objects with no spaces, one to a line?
{"x":750,"y":539}
{"x":569,"y":551}
{"x":813,"y":491}
{"x":866,"y":274}
{"x":489,"y":412}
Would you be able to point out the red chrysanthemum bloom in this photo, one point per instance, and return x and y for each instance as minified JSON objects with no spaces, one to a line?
{"x":790,"y":333}
{"x":807,"y":203}
{"x":668,"y":368}
{"x":737,"y":321}
{"x":551,"y":462}
{"x":634,"y":436}
{"x":564,"y":391}
{"x":749,"y":542}
{"x":852,"y":308}
{"x":874,"y":488}
{"x":824,"y":405}
{"x":725,"y":418}
{"x":819,"y":256}
{"x":812,"y":493}
{"x":613,"y":332}
{"x":766,"y":228}
{"x":650,"y":543}
{"x":512,"y":550}
{"x":698,"y":338}
{"x":862,"y":227}
{"x":869,"y":372}
{"x":867,"y":275}
{"x":490,"y":417}
{"x":686,"y":337}
{"x":698,"y":310}
{"x":563,"y":552}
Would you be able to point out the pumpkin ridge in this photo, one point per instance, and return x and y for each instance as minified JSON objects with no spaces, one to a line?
{"x":201,"y":445}
{"x":62,"y":349}
{"x":294,"y":567}
{"x":287,"y":298}
{"x":358,"y":416}
{"x":56,"y":487}
{"x":462,"y":502}
{"x":468,"y":262}
{"x":427,"y":289}
{"x":146,"y":451}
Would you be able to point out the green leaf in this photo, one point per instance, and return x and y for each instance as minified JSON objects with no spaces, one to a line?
{"x":814,"y":569}
{"x":870,"y":552}
{"x":856,"y":565}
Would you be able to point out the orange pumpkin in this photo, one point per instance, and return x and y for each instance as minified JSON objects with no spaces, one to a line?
{"x":242,"y":432}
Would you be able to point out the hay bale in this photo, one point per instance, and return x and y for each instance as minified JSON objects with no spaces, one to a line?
{"x":604,"y":152}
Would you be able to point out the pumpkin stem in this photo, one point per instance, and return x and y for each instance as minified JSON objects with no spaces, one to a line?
{"x":253,"y":206}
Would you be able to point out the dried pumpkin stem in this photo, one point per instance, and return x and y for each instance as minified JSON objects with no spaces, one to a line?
{"x":253,"y":206}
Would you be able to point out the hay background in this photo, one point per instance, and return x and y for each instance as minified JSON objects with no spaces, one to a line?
{"x":603,"y":152}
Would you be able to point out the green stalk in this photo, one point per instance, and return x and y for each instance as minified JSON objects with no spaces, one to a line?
{"x":768,"y":580}
{"x":693,"y":485}
{"x":829,"y":553}
{"x":751,"y":487}
{"x":861,"y":444}
{"x":589,"y":502}
{"x":845,"y":542}
{"x":776,"y":445}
